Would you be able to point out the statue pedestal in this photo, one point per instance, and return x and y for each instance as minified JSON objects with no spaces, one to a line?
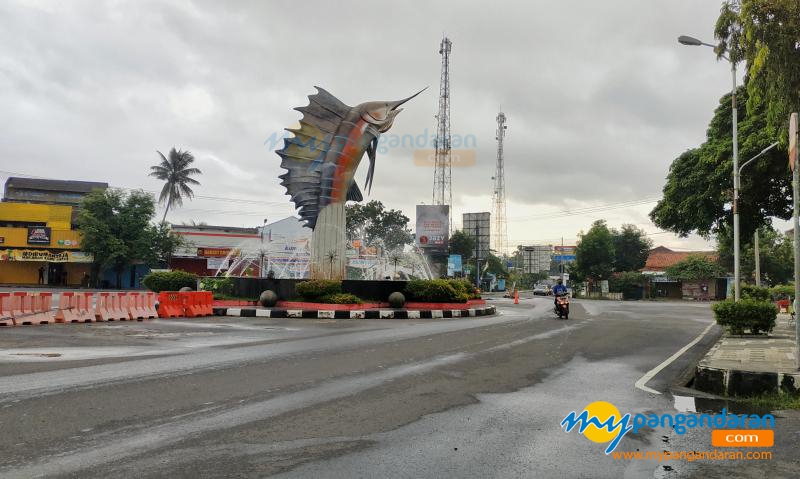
{"x":328,"y":241}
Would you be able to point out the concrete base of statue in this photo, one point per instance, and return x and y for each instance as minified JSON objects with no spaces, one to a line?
{"x":328,"y":244}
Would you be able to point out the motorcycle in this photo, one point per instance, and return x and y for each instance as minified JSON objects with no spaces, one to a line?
{"x":561,"y":307}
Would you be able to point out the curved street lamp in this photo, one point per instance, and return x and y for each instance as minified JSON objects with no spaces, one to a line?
{"x":694,"y":42}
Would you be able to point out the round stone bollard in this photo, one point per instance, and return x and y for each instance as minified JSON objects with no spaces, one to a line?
{"x":268,"y":298}
{"x":186,"y":289}
{"x":397,"y":300}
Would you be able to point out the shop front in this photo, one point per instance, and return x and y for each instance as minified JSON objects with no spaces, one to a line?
{"x":44,"y":267}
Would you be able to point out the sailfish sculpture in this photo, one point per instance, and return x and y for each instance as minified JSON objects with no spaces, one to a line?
{"x":321,"y":159}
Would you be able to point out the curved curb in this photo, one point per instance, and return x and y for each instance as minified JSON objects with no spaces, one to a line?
{"x":355,"y":314}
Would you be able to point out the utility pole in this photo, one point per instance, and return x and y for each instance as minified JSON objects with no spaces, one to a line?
{"x":793,"y":147}
{"x":477,"y":255}
{"x":442,"y":178}
{"x":758,"y":260}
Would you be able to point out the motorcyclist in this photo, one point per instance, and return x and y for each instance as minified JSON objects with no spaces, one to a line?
{"x":558,"y":290}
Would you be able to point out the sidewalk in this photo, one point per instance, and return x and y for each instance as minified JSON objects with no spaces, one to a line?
{"x":750,"y":365}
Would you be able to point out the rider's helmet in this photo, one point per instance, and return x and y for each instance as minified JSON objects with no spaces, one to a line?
{"x":560,"y":281}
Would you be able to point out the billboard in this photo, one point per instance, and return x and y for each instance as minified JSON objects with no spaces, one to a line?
{"x":564,"y":254}
{"x":478,"y":225}
{"x":536,"y":259}
{"x":38,"y":235}
{"x":433,"y":228}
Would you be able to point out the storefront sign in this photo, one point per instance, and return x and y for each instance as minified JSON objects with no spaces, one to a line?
{"x":45,"y":256}
{"x":39,"y":235}
{"x":216,"y":252}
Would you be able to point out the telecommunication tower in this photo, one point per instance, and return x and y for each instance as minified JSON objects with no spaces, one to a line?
{"x":499,"y":197}
{"x":442,"y":183}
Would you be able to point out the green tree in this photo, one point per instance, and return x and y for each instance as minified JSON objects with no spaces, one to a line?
{"x":463,"y":244}
{"x":374,"y":224}
{"x":775,"y":254}
{"x":594,"y":254}
{"x":164,"y":243}
{"x":765,"y":34}
{"x":697,"y":193}
{"x":115,"y":228}
{"x":176,"y":172}
{"x":695,"y":267}
{"x":631,"y":248}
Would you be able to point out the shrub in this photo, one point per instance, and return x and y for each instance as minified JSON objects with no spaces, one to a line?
{"x":736,"y":317}
{"x":465,"y":287}
{"x":340,"y":298}
{"x":169,"y":281}
{"x":750,"y":291}
{"x":314,"y":289}
{"x":436,"y":291}
{"x":218,"y":286}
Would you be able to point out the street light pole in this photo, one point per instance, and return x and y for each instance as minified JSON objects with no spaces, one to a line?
{"x":755,"y":237}
{"x":686,"y":40}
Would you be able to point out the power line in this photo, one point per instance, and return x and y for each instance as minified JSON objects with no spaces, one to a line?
{"x":587,"y":210}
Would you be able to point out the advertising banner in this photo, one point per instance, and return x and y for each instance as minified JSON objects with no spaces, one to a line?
{"x":217,"y":263}
{"x":478,"y":225}
{"x":45,"y":256}
{"x":39,"y":235}
{"x":433,"y":228}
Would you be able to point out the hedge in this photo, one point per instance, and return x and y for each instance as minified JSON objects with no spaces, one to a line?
{"x":169,"y":281}
{"x":782,"y":291}
{"x":437,"y":291}
{"x":218,"y":286}
{"x":340,"y":298}
{"x":747,"y":314}
{"x":315,"y":289}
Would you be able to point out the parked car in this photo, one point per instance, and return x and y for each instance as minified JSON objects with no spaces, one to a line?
{"x":542,"y":291}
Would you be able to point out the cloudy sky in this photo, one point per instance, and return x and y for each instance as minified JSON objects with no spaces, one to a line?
{"x":600,"y":98}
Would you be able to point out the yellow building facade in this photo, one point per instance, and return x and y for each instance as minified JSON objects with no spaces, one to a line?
{"x":38,"y":245}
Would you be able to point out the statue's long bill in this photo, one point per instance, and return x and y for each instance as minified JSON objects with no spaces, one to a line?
{"x":400,"y":102}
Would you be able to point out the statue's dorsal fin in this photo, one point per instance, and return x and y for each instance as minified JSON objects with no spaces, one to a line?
{"x":302,"y":154}
{"x":354,"y":193}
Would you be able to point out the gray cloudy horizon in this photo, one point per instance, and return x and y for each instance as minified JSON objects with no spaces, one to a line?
{"x":600,"y":98}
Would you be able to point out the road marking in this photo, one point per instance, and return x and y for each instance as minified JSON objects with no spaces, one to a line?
{"x":651,"y":374}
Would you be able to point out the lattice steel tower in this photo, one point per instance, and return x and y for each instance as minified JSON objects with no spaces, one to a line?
{"x":500,"y":240}
{"x":442,"y":183}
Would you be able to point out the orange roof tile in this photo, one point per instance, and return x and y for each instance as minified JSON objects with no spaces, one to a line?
{"x":662,"y":258}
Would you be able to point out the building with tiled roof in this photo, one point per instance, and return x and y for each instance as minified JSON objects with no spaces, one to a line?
{"x":661,"y":258}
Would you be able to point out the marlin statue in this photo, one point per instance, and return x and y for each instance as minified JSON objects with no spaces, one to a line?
{"x":325,"y":151}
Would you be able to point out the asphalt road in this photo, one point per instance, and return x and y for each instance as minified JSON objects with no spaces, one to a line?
{"x":246,"y":397}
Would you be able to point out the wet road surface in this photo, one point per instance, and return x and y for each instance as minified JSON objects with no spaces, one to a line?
{"x":248,"y":397}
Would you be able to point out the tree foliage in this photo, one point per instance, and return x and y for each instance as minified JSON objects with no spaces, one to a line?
{"x":594,"y":254}
{"x":631,"y":248}
{"x":376,"y":225}
{"x":776,"y":255}
{"x":694,"y":268}
{"x":176,"y":172}
{"x":116,"y":229}
{"x":765,"y":34}
{"x":463,"y":244}
{"x":698,"y":190}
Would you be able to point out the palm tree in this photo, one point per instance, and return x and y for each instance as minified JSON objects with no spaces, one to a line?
{"x":176,"y":173}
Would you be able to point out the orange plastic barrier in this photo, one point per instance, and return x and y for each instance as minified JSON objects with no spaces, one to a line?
{"x":33,"y":309}
{"x":208,"y":302}
{"x":149,"y":305}
{"x":195,"y":304}
{"x":170,"y":304}
{"x":132,"y":303}
{"x":67,"y":311}
{"x":75,"y":308}
{"x":107,"y":308}
{"x":5,"y":310}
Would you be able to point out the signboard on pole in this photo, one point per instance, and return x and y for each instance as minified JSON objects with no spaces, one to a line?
{"x":454,"y":264}
{"x":433,"y":228}
{"x":792,"y":140}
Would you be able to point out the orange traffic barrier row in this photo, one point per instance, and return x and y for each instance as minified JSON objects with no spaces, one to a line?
{"x":24,"y":308}
{"x":190,"y":304}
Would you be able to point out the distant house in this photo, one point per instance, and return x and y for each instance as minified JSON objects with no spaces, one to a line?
{"x":661,"y":258}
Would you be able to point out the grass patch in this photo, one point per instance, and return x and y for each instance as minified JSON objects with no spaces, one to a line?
{"x":772,"y":401}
